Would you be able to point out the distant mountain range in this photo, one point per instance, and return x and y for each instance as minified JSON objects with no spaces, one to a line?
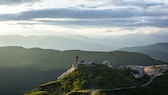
{"x":58,"y":42}
{"x":62,"y":42}
{"x":158,"y":51}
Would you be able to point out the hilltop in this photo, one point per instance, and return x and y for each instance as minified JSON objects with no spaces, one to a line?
{"x":99,"y":78}
{"x":85,"y":78}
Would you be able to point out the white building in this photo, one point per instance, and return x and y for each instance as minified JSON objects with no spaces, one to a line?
{"x":139,"y":69}
{"x":107,"y":63}
{"x":84,"y":62}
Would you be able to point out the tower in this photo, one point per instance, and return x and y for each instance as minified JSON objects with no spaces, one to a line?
{"x":75,"y":63}
{"x":76,"y":58}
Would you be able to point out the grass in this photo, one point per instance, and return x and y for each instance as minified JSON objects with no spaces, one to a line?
{"x":158,"y":87}
{"x":37,"y":93}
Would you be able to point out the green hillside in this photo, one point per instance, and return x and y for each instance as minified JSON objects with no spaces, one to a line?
{"x":54,"y":59}
{"x":85,"y":78}
{"x":158,"y":87}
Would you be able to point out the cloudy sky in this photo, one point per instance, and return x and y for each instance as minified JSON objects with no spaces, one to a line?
{"x":89,"y":18}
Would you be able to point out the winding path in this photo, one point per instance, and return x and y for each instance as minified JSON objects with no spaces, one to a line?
{"x":131,"y":87}
{"x":66,"y":73}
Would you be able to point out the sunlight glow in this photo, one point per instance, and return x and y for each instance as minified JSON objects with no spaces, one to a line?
{"x":27,"y":28}
{"x":13,"y":9}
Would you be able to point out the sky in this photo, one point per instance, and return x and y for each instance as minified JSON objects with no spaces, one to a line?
{"x":95,"y":19}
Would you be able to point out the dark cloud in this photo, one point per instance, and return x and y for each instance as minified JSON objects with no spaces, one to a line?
{"x":79,"y":14}
{"x":121,"y":17}
{"x":15,"y":2}
{"x":82,"y":14}
{"x":108,"y":23}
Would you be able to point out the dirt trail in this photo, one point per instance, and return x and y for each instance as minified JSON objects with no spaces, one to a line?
{"x":153,"y":71}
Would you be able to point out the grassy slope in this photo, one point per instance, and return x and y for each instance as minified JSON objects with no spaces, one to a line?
{"x":158,"y":87}
{"x":84,"y":78}
{"x":52,"y":59}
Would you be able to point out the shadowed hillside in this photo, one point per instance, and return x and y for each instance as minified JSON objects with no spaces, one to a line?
{"x":16,"y":81}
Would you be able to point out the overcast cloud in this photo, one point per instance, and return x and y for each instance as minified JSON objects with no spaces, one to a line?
{"x":120,"y":17}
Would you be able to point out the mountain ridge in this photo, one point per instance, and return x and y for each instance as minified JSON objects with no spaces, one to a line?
{"x":158,"y":51}
{"x":52,"y":59}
